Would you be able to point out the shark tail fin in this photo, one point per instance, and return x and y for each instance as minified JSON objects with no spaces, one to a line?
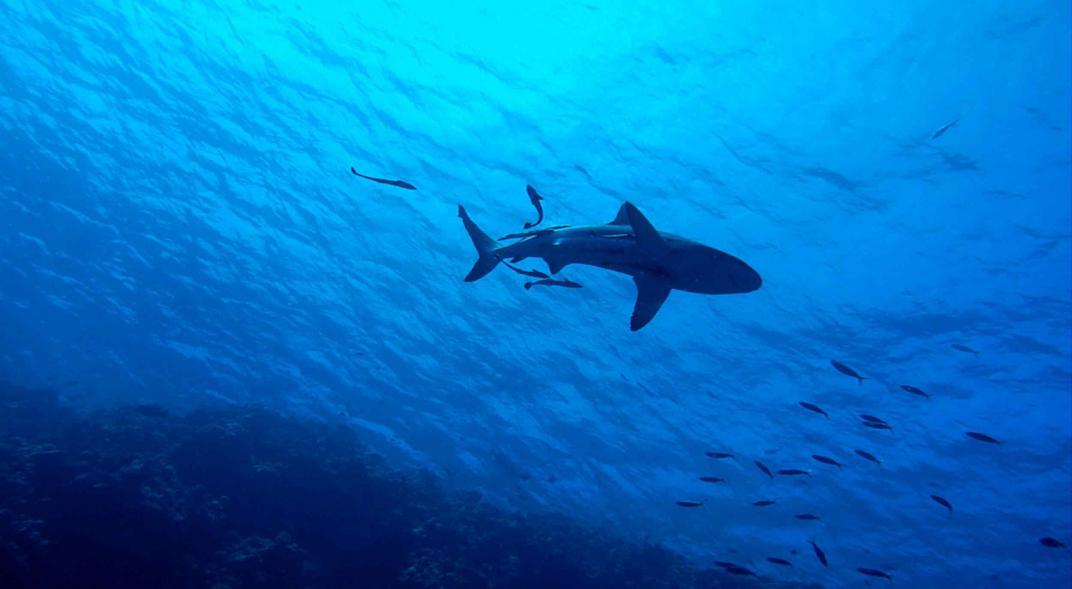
{"x":485,"y":248}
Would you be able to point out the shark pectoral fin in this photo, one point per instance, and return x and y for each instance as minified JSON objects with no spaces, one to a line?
{"x":554,"y":265}
{"x":650,"y":296}
{"x":646,"y":236}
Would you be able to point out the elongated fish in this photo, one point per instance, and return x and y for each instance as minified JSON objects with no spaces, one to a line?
{"x":535,"y":198}
{"x":914,"y":390}
{"x":941,"y":131}
{"x":874,"y":573}
{"x":826,"y":460}
{"x":982,"y":437}
{"x":943,"y":502}
{"x":965,"y":349}
{"x":791,"y":472}
{"x":566,"y":283}
{"x":813,"y":408}
{"x":718,"y":455}
{"x":763,"y":467}
{"x":868,"y":456}
{"x":818,"y":552}
{"x":396,"y":183}
{"x":690,"y":503}
{"x":779,"y":561}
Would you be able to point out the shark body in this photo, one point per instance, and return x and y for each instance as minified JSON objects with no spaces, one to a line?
{"x":658,"y":262}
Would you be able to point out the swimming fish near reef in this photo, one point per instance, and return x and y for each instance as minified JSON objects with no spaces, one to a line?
{"x":718,"y":455}
{"x":943,"y":502}
{"x":874,"y":573}
{"x":914,"y":390}
{"x":708,"y":479}
{"x":1049,"y":542}
{"x":868,"y":456}
{"x":565,"y":282}
{"x":779,"y":561}
{"x":763,"y":467}
{"x":690,"y":503}
{"x":535,"y":198}
{"x":982,"y":437}
{"x":844,"y":369}
{"x":763,"y":503}
{"x":965,"y":349}
{"x":793,"y":472}
{"x":807,"y":517}
{"x":629,"y":244}
{"x":818,"y":552}
{"x":826,"y":460}
{"x":941,"y":131}
{"x":396,"y":183}
{"x":529,"y":273}
{"x":814,"y":408}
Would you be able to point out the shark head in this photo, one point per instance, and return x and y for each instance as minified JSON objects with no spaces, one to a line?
{"x":694,"y":267}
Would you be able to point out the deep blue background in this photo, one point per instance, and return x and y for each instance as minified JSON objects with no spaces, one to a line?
{"x":177,"y":223}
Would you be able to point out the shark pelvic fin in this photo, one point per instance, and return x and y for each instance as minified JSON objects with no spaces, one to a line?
{"x":650,"y":296}
{"x":646,"y":236}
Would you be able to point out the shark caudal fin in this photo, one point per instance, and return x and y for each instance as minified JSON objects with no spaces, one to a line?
{"x":485,"y":248}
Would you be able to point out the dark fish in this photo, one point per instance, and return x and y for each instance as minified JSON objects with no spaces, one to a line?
{"x":707,"y":479}
{"x":874,"y":573}
{"x":981,"y":437}
{"x":943,"y":502}
{"x":398,"y":183}
{"x":718,"y":455}
{"x":965,"y":349}
{"x":535,"y":198}
{"x":738,"y":570}
{"x":764,"y":468}
{"x":790,"y":472}
{"x":818,"y":552}
{"x":1049,"y":542}
{"x":914,"y":390}
{"x":872,"y":418}
{"x":813,"y":407}
{"x":868,"y":456}
{"x":763,"y":503}
{"x":779,"y":561}
{"x":874,"y":425}
{"x":843,"y":369}
{"x":690,"y":504}
{"x":943,"y":129}
{"x":531,"y":273}
{"x":807,"y":517}
{"x":552,"y":282}
{"x":826,"y":460}
{"x":537,"y":233}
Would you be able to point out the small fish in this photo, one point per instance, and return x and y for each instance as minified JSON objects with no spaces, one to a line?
{"x":1049,"y":542}
{"x":738,"y":570}
{"x":965,"y":349}
{"x":844,"y":369}
{"x":764,"y":468}
{"x":874,"y":425}
{"x":791,"y":472}
{"x":690,"y":503}
{"x":943,"y":502}
{"x":708,"y":479}
{"x":981,"y":437}
{"x":397,"y":183}
{"x":815,"y":408}
{"x":536,"y":233}
{"x":779,"y":561}
{"x":914,"y":390}
{"x":818,"y":552}
{"x":874,"y":573}
{"x":567,"y":283}
{"x":763,"y":503}
{"x":826,"y":460}
{"x":523,"y":272}
{"x":718,"y":455}
{"x":943,"y":129}
{"x":868,"y":456}
{"x":872,"y":418}
{"x":807,"y":517}
{"x":534,"y":198}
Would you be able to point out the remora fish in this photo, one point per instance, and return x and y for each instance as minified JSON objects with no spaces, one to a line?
{"x":629,"y":244}
{"x":397,"y":183}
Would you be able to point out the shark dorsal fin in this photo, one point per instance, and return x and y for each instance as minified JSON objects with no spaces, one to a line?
{"x":646,"y":235}
{"x":622,"y":218}
{"x":650,"y":296}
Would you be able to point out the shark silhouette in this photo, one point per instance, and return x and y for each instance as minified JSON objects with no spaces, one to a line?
{"x":658,"y":262}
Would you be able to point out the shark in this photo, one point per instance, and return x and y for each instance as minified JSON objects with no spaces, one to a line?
{"x":629,"y":244}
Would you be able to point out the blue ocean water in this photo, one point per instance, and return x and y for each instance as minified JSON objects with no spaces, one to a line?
{"x":179,"y":226}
